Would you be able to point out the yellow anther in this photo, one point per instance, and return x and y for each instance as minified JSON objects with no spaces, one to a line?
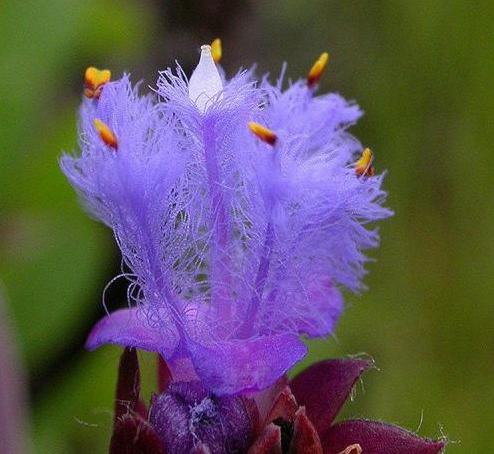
{"x":265,"y":134}
{"x":216,"y":50}
{"x":94,"y":80}
{"x":363,"y":167}
{"x":106,"y":134}
{"x":317,"y":70}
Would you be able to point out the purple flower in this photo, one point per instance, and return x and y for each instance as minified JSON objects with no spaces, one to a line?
{"x":235,"y":246}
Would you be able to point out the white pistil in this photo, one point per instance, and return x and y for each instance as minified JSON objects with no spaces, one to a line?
{"x":205,"y":82}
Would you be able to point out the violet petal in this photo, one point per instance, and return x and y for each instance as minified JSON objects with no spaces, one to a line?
{"x":129,"y":328}
{"x":376,"y":438}
{"x":133,"y":435}
{"x":247,"y":365}
{"x":324,"y":387}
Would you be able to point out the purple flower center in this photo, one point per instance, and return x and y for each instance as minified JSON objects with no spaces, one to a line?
{"x":186,"y":414}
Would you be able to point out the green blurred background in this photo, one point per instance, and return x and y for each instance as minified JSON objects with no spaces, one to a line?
{"x":423,"y":71}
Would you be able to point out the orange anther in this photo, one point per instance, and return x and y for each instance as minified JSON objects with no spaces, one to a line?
{"x":216,"y":50}
{"x":317,"y":70}
{"x":265,"y":134}
{"x":94,"y":80}
{"x":363,"y":167}
{"x":106,"y":134}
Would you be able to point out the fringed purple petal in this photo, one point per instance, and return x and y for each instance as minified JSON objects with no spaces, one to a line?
{"x":134,"y":435}
{"x":326,"y":307}
{"x":377,"y":438}
{"x":324,"y":387}
{"x":130,"y":328}
{"x":134,"y":191}
{"x":228,"y":239}
{"x":253,"y":365}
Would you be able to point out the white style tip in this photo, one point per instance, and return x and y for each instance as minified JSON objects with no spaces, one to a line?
{"x":205,"y":82}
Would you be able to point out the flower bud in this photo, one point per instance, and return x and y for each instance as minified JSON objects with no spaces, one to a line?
{"x":187,"y":415}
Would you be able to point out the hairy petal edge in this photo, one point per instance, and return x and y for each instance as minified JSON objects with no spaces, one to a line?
{"x":377,"y":438}
{"x":324,"y":387}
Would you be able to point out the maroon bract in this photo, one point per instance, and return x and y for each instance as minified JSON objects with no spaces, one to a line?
{"x":134,"y":435}
{"x":324,"y":388}
{"x":185,"y":417}
{"x":375,"y":438}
